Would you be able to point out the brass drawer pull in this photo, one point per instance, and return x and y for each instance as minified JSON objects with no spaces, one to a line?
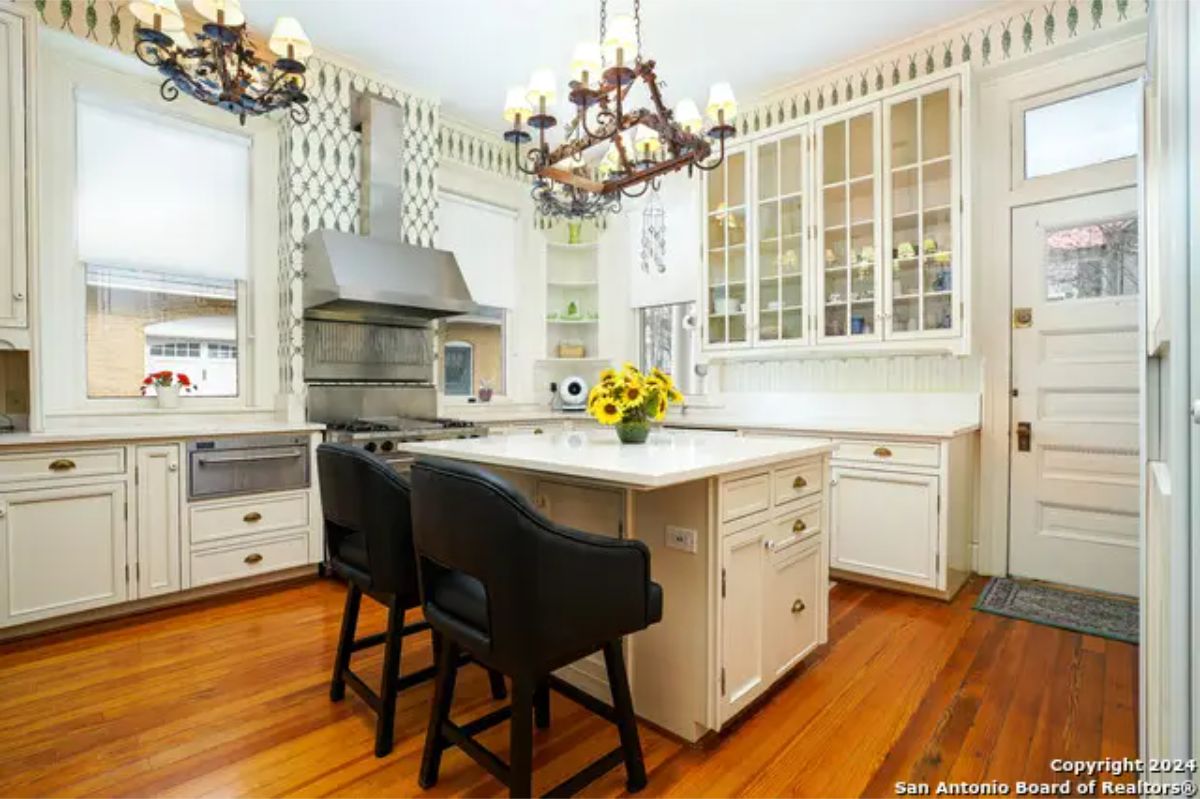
{"x":62,"y":465}
{"x":252,"y":516}
{"x":799,"y":526}
{"x":798,"y":606}
{"x":253,"y":558}
{"x":882,"y":452}
{"x":799,"y":483}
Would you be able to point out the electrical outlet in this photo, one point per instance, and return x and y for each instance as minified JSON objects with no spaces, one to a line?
{"x":681,"y":538}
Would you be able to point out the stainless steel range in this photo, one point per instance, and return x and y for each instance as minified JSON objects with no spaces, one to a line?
{"x":370,"y":305}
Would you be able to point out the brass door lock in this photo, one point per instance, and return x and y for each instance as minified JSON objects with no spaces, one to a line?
{"x":1022,"y":317}
{"x":1024,"y":436}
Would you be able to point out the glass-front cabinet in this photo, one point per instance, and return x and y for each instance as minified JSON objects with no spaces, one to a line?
{"x":781,"y":214}
{"x":848,"y":225}
{"x":923,"y":208}
{"x":846,"y":229}
{"x":727,"y":303}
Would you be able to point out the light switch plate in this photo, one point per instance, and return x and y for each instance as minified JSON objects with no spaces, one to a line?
{"x":681,"y":538}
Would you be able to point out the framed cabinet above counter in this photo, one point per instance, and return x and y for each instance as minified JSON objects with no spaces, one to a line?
{"x":845,"y":230}
{"x":14,"y":267}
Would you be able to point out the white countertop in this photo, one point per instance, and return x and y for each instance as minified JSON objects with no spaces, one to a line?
{"x":178,"y":430}
{"x":667,"y":458}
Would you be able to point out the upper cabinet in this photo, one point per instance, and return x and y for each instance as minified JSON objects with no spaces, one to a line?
{"x":13,"y":262}
{"x":855,"y":229}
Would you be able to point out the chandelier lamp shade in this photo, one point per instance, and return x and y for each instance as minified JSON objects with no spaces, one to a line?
{"x":221,"y":66}
{"x":639,"y":145}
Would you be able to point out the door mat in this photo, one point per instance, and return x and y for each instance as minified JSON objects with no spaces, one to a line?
{"x":1092,"y":614}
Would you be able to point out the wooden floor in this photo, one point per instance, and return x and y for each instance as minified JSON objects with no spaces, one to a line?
{"x":229,"y":698}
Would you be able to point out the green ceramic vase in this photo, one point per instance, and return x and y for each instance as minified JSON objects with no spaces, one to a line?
{"x":634,"y":432}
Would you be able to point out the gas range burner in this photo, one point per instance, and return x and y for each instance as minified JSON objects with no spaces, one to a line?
{"x":386,"y":435}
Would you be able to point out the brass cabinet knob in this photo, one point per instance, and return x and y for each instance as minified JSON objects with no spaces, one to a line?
{"x":252,"y":516}
{"x":799,"y":483}
{"x":882,"y":452}
{"x":799,"y":526}
{"x":798,"y":606}
{"x":253,"y":558}
{"x":62,"y":465}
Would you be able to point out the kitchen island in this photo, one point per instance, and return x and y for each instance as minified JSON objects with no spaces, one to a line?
{"x":737,"y":533}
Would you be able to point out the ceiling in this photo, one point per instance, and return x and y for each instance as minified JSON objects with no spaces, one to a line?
{"x":467,"y":52}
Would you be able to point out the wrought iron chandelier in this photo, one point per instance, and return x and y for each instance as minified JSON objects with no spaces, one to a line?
{"x":643,"y":144}
{"x":221,"y":68}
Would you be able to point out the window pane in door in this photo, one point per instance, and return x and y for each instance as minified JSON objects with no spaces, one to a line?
{"x":1090,"y":261}
{"x":1089,"y":129}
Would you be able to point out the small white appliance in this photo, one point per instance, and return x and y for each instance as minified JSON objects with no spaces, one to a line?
{"x":572,"y":394}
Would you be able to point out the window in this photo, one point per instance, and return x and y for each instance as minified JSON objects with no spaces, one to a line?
{"x":459,"y":357}
{"x":1091,"y":261}
{"x":1082,"y":131}
{"x":164,"y":245}
{"x":667,"y":340}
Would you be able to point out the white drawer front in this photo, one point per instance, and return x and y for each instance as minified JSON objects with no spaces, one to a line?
{"x":797,"y":482}
{"x":247,"y":516}
{"x":247,"y":560}
{"x":64,"y":465}
{"x":745,"y":496}
{"x":884,"y":452}
{"x":797,"y":526}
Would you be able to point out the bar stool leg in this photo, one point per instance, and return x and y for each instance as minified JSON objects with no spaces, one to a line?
{"x":384,"y":726}
{"x":618,"y":681}
{"x":541,"y":705}
{"x":341,"y":662}
{"x":497,"y":681}
{"x":520,"y":776}
{"x":439,"y":710}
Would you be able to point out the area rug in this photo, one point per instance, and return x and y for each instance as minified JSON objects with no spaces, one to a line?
{"x":1093,"y":614}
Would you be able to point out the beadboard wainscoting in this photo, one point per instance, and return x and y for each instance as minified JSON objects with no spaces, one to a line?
{"x":904,"y":373}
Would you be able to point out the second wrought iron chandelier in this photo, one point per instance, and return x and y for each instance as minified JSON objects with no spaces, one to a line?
{"x":643,"y":144}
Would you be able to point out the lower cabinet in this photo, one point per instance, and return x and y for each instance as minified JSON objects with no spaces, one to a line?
{"x":792,"y":597}
{"x":743,"y":623}
{"x":158,"y":559}
{"x":63,"y":549}
{"x":885,"y":524}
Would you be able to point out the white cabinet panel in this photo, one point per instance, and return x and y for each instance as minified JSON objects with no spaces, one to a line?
{"x":885,"y":524}
{"x":62,"y":550}
{"x":158,"y":561}
{"x":13,"y":265}
{"x":793,"y":595}
{"x":742,"y":629}
{"x":587,"y":508}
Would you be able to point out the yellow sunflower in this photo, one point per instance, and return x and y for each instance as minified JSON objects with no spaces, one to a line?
{"x":607,"y":411}
{"x":608,"y":376}
{"x":633,"y":393}
{"x":660,"y":412}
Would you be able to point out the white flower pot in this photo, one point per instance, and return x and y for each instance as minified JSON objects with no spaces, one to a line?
{"x":168,"y":396}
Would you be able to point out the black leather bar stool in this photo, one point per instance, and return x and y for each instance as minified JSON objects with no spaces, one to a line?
{"x":524,"y":596}
{"x":368,"y":539}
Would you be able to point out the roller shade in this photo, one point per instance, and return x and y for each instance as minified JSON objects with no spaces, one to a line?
{"x":161,"y":195}
{"x":483,"y":238}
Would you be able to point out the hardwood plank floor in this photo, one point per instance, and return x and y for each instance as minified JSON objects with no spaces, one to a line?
{"x":229,"y":697}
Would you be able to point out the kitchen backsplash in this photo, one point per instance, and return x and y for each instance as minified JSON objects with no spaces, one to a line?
{"x":909,"y":373}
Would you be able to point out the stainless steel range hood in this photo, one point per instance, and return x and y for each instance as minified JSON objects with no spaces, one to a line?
{"x":377,"y":277}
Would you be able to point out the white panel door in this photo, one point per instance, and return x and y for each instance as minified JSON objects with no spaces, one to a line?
{"x":1074,"y":484}
{"x":62,"y":550}
{"x":742,"y":570}
{"x":158,"y":548}
{"x":12,"y":171}
{"x":885,"y":524}
{"x":794,"y":595}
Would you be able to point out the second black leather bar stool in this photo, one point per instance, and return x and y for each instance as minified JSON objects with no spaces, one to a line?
{"x":524,"y":596}
{"x":368,"y":537}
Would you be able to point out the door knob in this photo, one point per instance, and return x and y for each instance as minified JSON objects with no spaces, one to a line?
{"x":798,"y":606}
{"x":174,"y":467}
{"x":1024,"y":436}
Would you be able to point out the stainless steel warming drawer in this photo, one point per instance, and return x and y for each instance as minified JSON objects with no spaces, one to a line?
{"x":227,"y":467}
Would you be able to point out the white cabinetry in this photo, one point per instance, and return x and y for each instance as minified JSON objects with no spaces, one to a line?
{"x":157,"y":567}
{"x":843,"y":230}
{"x":13,"y":199}
{"x":63,"y":548}
{"x":774,"y":577}
{"x":885,"y":524}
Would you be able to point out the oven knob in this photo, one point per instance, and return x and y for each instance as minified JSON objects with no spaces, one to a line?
{"x":370,"y":446}
{"x":387,"y":446}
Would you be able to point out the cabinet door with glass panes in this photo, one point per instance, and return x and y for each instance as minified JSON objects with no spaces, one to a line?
{"x":781,"y":245}
{"x":727,"y":288}
{"x":848,"y":229}
{"x":922,"y":209}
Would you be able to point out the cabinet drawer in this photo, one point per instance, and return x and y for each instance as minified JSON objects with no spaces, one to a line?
{"x":745,"y":496}
{"x":247,"y":516}
{"x":796,"y":527}
{"x":61,"y":465}
{"x":793,"y":612}
{"x":880,"y":452}
{"x":247,"y":560}
{"x":797,"y":482}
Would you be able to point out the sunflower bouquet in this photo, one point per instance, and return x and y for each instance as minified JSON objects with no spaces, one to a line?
{"x":630,"y":400}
